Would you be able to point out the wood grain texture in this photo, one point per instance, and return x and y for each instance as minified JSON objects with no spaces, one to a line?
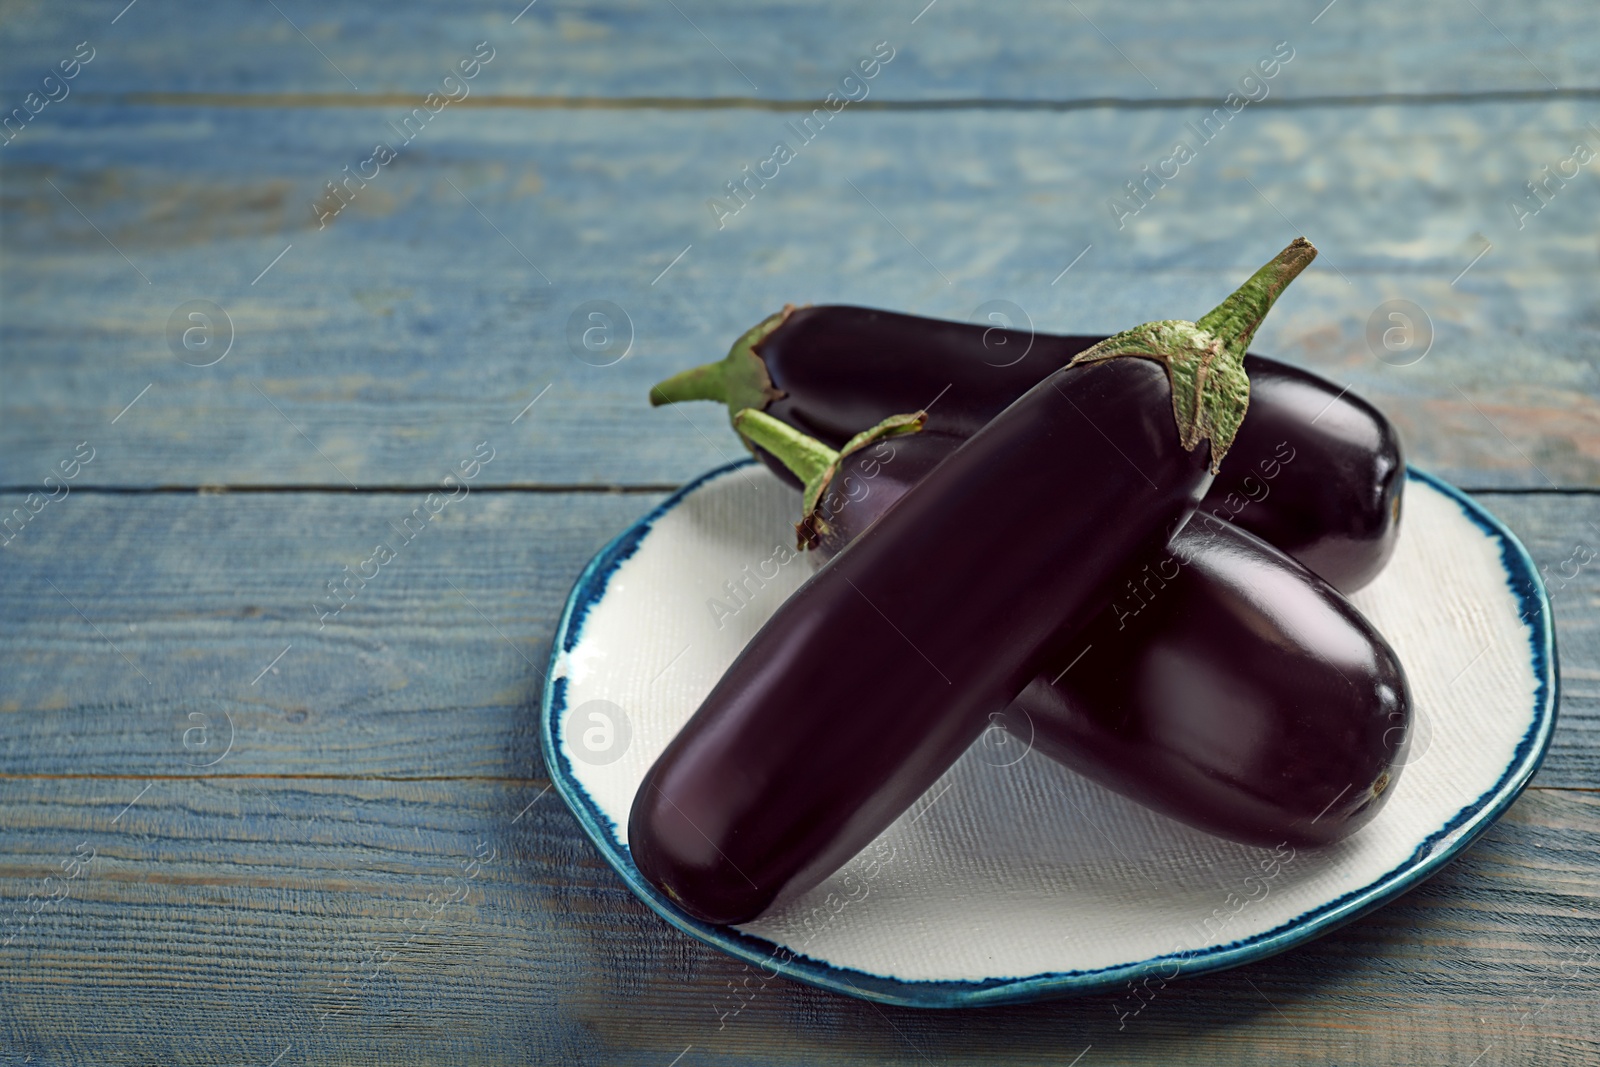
{"x":790,"y":50}
{"x":434,"y":668}
{"x":274,"y":809}
{"x":420,"y":317}
{"x":228,"y":921}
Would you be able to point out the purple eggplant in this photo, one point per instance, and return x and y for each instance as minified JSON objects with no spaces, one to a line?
{"x":1332,"y":499}
{"x":874,"y":677}
{"x":1225,"y":685}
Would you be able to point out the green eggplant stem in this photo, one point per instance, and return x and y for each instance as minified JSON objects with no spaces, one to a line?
{"x":1237,"y":318}
{"x":812,"y":461}
{"x":739,"y":380}
{"x":1205,"y":360}
{"x":705,"y":382}
{"x":804,"y":456}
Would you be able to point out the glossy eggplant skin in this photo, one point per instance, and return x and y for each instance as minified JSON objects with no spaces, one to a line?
{"x":1242,"y":695}
{"x":843,"y":369}
{"x":1315,"y":471}
{"x":874,"y":677}
{"x":1334,"y":504}
{"x":1225,"y":686}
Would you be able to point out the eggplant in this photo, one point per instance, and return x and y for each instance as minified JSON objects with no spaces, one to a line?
{"x":1225,"y":686}
{"x":1320,"y":475}
{"x":870,"y":680}
{"x":1314,"y":470}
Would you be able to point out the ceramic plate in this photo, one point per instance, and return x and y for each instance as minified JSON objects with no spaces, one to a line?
{"x":1014,"y":879}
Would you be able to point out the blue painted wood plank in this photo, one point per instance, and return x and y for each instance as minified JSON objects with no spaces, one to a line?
{"x":201,"y":648}
{"x":234,"y":913}
{"x":327,"y":921}
{"x":796,"y":51}
{"x":377,"y":348}
{"x":183,"y":634}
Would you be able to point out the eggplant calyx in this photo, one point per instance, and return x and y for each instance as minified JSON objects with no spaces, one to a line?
{"x":739,"y":379}
{"x":813,"y":462}
{"x":1205,"y":360}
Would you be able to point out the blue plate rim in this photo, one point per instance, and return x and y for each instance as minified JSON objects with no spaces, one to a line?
{"x":1522,"y":574}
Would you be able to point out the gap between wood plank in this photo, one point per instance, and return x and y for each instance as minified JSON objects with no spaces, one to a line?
{"x":18,"y":777}
{"x":576,"y":487}
{"x":370,"y":490}
{"x":752,"y":103}
{"x":9,"y":776}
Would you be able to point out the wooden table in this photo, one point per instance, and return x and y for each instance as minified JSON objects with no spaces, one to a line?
{"x":236,"y":831}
